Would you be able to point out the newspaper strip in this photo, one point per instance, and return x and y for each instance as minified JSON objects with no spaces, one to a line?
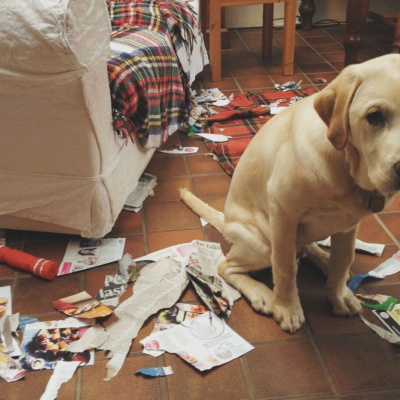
{"x":371,"y":248}
{"x":82,"y":305}
{"x":389,"y":267}
{"x":93,"y":338}
{"x":63,"y":372}
{"x":159,"y":286}
{"x":115,"y":285}
{"x":144,"y":188}
{"x":82,"y":254}
{"x":206,"y":342}
{"x":8,"y":324}
{"x":2,"y":237}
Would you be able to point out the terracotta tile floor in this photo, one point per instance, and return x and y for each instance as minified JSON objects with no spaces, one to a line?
{"x":329,"y":358}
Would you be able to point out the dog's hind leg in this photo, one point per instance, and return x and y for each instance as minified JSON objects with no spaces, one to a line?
{"x":248,"y":253}
{"x":317,"y":256}
{"x":234,"y":269}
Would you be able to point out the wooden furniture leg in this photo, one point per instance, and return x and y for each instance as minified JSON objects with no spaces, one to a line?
{"x":396,"y":42}
{"x":268,"y":21}
{"x":215,"y":43}
{"x":289,"y":37}
{"x":307,"y":9}
{"x":356,"y":17}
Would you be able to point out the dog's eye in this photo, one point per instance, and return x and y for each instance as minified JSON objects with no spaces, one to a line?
{"x":375,"y":118}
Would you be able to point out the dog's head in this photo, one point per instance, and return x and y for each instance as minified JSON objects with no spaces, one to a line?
{"x":361,"y":109}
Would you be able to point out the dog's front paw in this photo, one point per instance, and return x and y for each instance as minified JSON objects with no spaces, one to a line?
{"x":290,"y":318}
{"x":345,"y":303}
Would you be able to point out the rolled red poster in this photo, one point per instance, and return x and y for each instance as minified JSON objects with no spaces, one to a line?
{"x":39,"y":266}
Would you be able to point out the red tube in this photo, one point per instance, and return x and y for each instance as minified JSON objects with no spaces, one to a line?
{"x":39,"y":266}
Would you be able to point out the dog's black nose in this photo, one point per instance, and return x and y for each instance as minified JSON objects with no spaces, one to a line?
{"x":397,"y":168}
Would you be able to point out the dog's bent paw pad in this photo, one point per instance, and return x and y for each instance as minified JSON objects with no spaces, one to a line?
{"x":261,"y":301}
{"x":290,"y":319}
{"x":346,"y":305}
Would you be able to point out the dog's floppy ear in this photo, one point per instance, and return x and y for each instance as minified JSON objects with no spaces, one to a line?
{"x":332,"y":105}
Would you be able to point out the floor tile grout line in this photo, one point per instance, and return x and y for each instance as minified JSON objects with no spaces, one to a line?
{"x":163,"y":382}
{"x":79,"y":381}
{"x":144,"y":230}
{"x":321,"y":359}
{"x":387,"y":230}
{"x":244,"y":368}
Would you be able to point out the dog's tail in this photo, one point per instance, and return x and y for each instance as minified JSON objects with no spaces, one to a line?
{"x":203,"y":210}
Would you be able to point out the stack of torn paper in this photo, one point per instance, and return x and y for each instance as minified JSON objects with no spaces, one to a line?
{"x":163,"y":277}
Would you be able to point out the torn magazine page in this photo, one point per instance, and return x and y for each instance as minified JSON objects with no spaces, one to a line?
{"x":383,"y":333}
{"x":170,"y":318}
{"x":154,"y":372}
{"x":377,"y":301}
{"x":371,"y":248}
{"x":159,"y":286}
{"x":218,"y":295}
{"x":10,"y":369}
{"x":181,"y":150}
{"x":63,"y":372}
{"x":389,"y":267}
{"x":391,"y":319}
{"x":82,"y":305}
{"x":45,"y":344}
{"x":206,"y":342}
{"x":144,"y":188}
{"x":213,"y":95}
{"x":82,"y":254}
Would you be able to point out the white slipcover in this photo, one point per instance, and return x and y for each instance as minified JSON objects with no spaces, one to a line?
{"x":62,"y":167}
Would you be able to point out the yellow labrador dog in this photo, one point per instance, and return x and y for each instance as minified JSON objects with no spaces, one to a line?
{"x":313,"y":171}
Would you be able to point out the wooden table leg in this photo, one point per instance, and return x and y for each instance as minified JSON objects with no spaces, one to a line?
{"x":356,"y":17}
{"x":215,"y":40}
{"x":307,"y":9}
{"x":268,"y":22}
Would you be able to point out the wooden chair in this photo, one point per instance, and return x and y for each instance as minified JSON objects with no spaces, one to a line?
{"x":357,"y":13}
{"x":289,"y":31}
{"x":356,"y":17}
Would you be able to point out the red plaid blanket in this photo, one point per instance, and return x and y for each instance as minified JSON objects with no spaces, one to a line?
{"x":148,"y":96}
{"x":149,"y":71}
{"x":242,"y":119}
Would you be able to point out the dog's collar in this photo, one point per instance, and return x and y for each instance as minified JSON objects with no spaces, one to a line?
{"x":375,"y":201}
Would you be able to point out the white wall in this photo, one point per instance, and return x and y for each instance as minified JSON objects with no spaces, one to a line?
{"x":249,"y":16}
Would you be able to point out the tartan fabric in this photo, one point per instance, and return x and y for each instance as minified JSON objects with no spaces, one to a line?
{"x":242,"y":119}
{"x":169,"y":17}
{"x":149,"y":74}
{"x":148,"y":96}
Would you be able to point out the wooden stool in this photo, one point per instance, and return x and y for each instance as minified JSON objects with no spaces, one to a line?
{"x":289,"y":31}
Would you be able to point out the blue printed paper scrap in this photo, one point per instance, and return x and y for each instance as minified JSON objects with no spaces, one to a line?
{"x":389,"y":267}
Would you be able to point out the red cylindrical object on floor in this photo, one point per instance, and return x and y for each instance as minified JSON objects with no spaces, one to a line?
{"x":39,"y":266}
